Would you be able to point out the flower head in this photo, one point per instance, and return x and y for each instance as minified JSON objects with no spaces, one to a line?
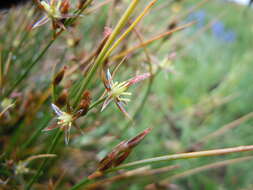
{"x":65,"y":120}
{"x":21,"y":167}
{"x":52,"y":8}
{"x":166,"y":64}
{"x":55,"y":10}
{"x":116,"y":90}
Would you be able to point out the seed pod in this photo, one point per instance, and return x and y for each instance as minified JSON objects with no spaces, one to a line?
{"x":107,"y":33}
{"x":136,"y":140}
{"x":62,"y":99}
{"x":59,"y":76}
{"x":172,"y":25}
{"x":121,"y":158}
{"x":118,"y":154}
{"x":109,"y":160}
{"x":81,"y":4}
{"x":84,"y":104}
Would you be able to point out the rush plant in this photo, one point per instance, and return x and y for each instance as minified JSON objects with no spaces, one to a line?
{"x":59,"y":129}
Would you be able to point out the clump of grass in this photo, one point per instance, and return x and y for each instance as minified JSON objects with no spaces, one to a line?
{"x":55,"y":80}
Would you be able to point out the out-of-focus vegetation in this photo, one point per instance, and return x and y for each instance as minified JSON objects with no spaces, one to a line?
{"x":196,"y":59}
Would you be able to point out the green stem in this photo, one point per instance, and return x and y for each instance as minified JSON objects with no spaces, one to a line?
{"x":35,"y":134}
{"x":83,"y":182}
{"x":53,"y":93}
{"x":101,"y":57}
{"x":43,"y":165}
{"x":97,"y":103}
{"x":27,"y":71}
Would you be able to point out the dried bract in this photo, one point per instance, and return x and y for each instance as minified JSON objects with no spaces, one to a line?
{"x":119,"y":154}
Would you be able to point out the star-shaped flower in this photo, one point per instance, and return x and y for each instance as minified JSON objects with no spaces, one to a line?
{"x":21,"y":167}
{"x":65,"y":121}
{"x":116,"y":90}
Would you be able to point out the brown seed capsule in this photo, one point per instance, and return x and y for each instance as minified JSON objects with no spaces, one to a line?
{"x":107,"y":33}
{"x":109,"y":160}
{"x":81,"y":4}
{"x":118,"y":154}
{"x":62,"y":99}
{"x":121,"y":158}
{"x":172,"y":25}
{"x":84,"y":104}
{"x":59,"y":76}
{"x":136,"y":140}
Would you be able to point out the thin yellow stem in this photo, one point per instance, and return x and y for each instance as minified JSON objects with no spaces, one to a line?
{"x":141,"y":45}
{"x":130,"y":28}
{"x":215,"y":152}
